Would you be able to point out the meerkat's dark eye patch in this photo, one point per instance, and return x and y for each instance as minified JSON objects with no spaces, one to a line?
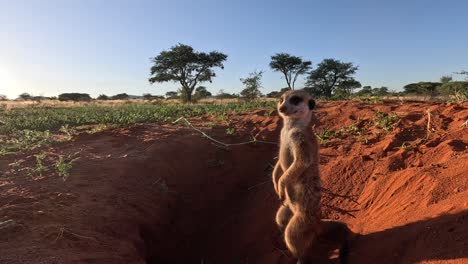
{"x":311,"y":104}
{"x":295,"y":100}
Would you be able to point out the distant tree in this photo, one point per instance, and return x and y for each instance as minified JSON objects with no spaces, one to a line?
{"x":382,"y":91}
{"x":365,"y":91}
{"x":25,"y":96}
{"x":348,"y":86}
{"x":290,"y":66}
{"x":3,"y":97}
{"x":103,"y":97}
{"x":328,"y":75}
{"x":446,"y":79}
{"x":458,"y":90}
{"x":147,"y":96}
{"x":184,"y":65}
{"x":252,"y":85}
{"x":463,"y":73}
{"x":277,"y":94}
{"x":121,"y":96}
{"x":38,"y":98}
{"x":201,"y":92}
{"x":172,"y":95}
{"x":74,"y":97}
{"x":223,"y":95}
{"x":422,"y":88}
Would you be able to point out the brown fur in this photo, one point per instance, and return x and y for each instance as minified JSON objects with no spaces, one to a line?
{"x":296,"y":176}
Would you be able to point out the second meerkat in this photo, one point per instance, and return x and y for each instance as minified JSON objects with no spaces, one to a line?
{"x":296,"y":176}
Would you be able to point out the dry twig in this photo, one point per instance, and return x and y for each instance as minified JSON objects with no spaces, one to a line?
{"x":226,"y":145}
{"x":256,"y":185}
{"x":64,"y":230}
{"x":429,"y":115}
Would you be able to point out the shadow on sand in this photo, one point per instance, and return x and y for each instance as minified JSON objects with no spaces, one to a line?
{"x":441,"y":238}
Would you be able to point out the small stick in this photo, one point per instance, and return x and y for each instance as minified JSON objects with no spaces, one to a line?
{"x":342,"y":211}
{"x":465,"y":124}
{"x":219,"y":142}
{"x":282,"y":252}
{"x":326,"y":191}
{"x":60,"y":234}
{"x":81,"y":236}
{"x":156,"y":181}
{"x":256,"y":185}
{"x":429,"y":121}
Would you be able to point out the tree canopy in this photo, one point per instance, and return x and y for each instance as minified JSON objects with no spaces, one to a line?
{"x":103,"y":97}
{"x":184,"y":65}
{"x":459,"y":90}
{"x":172,"y":95}
{"x":328,"y":75}
{"x":463,"y":73}
{"x":277,"y":94}
{"x":74,"y":97}
{"x":223,"y":95}
{"x":25,"y":96}
{"x":201,"y":92}
{"x":423,"y":88}
{"x":446,"y":79}
{"x":291,"y":67}
{"x":348,"y":86}
{"x":252,"y":85}
{"x":121,"y":96}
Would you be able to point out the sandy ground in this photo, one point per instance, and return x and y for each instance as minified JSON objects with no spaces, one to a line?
{"x":161,"y":193}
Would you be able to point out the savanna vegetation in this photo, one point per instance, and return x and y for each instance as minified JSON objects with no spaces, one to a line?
{"x":28,"y":126}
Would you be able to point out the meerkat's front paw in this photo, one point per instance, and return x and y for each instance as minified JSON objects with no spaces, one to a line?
{"x":282,"y":189}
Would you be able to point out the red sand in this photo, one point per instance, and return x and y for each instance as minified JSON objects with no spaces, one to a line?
{"x":164,"y":194}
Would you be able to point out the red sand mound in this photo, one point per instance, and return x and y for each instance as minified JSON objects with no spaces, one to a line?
{"x":164,"y":194}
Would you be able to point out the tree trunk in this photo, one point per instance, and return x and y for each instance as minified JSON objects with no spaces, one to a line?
{"x":186,"y":95}
{"x":287,"y":81}
{"x":328,"y":92}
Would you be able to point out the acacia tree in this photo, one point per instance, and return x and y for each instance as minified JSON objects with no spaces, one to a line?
{"x":184,"y":65}
{"x":424,"y":88}
{"x":25,"y":96}
{"x":348,"y":86}
{"x":252,"y":85}
{"x":446,"y":79}
{"x":290,"y":66}
{"x":463,"y":73}
{"x":328,"y":75}
{"x":201,"y":92}
{"x":457,"y":90}
{"x":172,"y":95}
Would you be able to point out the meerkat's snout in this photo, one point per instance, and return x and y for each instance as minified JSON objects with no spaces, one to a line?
{"x":283,"y":109}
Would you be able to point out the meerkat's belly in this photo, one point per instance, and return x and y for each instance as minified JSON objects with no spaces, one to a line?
{"x":287,"y":158}
{"x":304,"y":193}
{"x":294,"y":192}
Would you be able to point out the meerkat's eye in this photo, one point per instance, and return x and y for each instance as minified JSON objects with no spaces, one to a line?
{"x":295,"y":100}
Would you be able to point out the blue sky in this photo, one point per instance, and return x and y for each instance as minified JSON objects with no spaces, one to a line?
{"x":49,"y":47}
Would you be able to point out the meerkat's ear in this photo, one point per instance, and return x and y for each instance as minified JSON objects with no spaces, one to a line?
{"x":311,"y":104}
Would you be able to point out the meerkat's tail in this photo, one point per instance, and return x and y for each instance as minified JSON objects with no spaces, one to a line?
{"x":300,"y":234}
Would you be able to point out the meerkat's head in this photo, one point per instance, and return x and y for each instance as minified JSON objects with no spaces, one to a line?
{"x":296,"y":104}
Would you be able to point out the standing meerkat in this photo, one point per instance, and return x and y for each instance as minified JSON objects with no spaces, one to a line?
{"x":296,"y":176}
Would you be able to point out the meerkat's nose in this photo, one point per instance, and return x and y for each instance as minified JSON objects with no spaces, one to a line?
{"x":283,"y":108}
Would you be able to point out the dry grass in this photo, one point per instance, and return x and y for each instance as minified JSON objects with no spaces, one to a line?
{"x":10,"y":104}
